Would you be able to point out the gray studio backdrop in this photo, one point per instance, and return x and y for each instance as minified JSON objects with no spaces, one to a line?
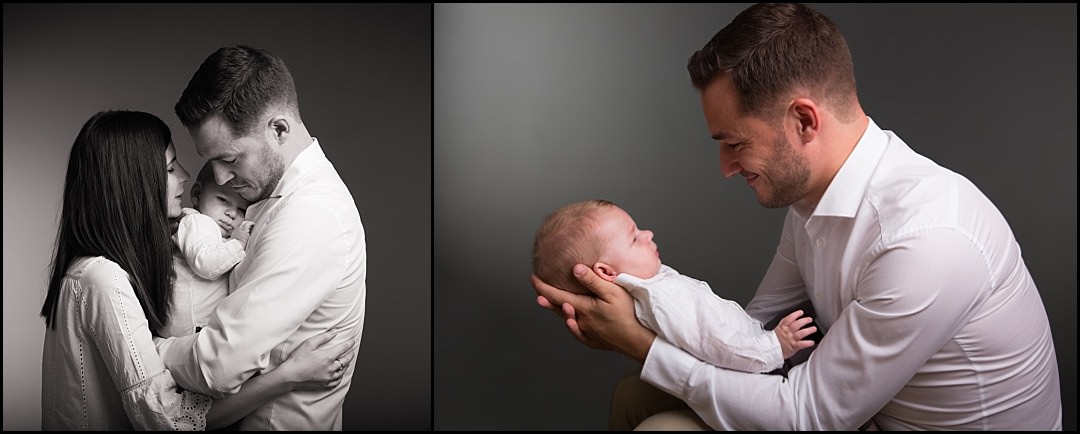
{"x":363,"y":77}
{"x":537,"y":106}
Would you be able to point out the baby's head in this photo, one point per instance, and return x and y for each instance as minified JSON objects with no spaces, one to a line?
{"x":221,"y":203}
{"x":596,"y":233}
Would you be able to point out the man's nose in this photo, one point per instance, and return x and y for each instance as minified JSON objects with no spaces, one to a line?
{"x":729,"y":165}
{"x":221,"y":176}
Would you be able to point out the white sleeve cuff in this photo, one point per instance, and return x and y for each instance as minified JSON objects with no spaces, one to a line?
{"x":668,"y":368}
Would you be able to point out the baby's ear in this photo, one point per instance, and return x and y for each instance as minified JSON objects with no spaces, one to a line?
{"x":605,"y":271}
{"x":196,"y":188}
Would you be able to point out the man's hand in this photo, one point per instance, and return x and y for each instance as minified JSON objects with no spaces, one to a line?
{"x":792,"y":332}
{"x":605,"y":321}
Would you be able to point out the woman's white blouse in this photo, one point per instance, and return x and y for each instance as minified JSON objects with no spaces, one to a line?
{"x":100,"y":369}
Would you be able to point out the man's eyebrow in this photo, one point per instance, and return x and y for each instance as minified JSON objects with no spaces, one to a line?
{"x":719,"y":136}
{"x":199,"y":150}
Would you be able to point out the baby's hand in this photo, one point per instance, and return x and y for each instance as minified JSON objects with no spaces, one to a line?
{"x":791,"y":333}
{"x":242,"y":231}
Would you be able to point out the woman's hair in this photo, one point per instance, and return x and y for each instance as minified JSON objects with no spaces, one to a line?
{"x":771,"y":49}
{"x":239,"y":83}
{"x":568,"y":237}
{"x":114,"y":206}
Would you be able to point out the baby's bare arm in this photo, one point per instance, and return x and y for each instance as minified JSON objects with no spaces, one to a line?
{"x":792,"y":332}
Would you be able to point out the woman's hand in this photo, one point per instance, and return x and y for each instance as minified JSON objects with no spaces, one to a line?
{"x":316,"y":365}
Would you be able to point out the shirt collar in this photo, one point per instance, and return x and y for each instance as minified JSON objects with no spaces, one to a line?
{"x":304,"y":162}
{"x":844,"y":194}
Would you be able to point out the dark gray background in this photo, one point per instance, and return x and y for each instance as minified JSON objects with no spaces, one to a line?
{"x":537,"y":106}
{"x":363,"y":77}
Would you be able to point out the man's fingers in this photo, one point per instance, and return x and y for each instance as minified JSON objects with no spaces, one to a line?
{"x":561,"y":301}
{"x":575,"y":330}
{"x":568,"y":311}
{"x":554,"y":296}
{"x":544,"y":303}
{"x":602,"y":288}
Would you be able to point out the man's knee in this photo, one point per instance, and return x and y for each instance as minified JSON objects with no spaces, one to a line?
{"x":634,"y":400}
{"x":676,"y":420}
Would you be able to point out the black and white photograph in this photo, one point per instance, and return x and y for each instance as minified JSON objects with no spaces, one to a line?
{"x":217,"y":216}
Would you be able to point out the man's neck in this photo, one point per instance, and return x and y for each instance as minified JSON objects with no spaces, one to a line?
{"x":299,"y":140}
{"x":845,"y":140}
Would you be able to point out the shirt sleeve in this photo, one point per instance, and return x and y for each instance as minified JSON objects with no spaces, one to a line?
{"x":911,"y":299}
{"x":298,"y":264}
{"x":208,"y":254}
{"x":115,"y":321}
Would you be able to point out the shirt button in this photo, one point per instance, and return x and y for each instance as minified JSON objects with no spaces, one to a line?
{"x":820,"y":242}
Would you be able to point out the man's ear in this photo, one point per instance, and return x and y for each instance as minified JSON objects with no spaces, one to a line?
{"x":196,"y":189}
{"x":279,"y":127}
{"x":808,"y":118}
{"x":605,"y":271}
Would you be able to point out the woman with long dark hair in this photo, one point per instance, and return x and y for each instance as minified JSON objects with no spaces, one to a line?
{"x":110,"y":287}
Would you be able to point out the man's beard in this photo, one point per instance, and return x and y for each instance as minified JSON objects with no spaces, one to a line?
{"x":788,"y":175}
{"x":273,"y":168}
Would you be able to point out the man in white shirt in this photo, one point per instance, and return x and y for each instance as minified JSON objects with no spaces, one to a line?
{"x":306,"y":260}
{"x":932,"y":318}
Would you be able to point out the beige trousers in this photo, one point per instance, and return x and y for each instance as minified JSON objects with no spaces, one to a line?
{"x":640,"y":406}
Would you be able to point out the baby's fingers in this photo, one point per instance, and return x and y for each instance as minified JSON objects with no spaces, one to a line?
{"x":802,"y":322}
{"x":803,"y":333}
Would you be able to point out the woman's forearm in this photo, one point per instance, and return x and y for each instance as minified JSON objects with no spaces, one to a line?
{"x":256,"y":392}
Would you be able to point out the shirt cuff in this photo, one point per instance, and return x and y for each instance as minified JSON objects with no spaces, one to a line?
{"x":668,"y":368}
{"x":772,"y":352}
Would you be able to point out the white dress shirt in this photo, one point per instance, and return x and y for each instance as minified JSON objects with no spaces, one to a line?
{"x":687,"y":313}
{"x":201,"y":261}
{"x":932,"y":319}
{"x":99,"y":368}
{"x":304,"y":274}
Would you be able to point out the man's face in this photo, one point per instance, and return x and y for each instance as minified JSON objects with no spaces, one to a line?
{"x":749,"y":146}
{"x":222,"y":204}
{"x":250,"y":165}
